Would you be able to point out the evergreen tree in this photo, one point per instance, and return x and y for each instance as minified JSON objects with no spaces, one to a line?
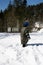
{"x":2,"y":20}
{"x":10,"y":5}
{"x":25,"y":3}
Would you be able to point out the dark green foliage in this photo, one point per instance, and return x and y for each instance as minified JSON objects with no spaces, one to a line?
{"x":18,"y":10}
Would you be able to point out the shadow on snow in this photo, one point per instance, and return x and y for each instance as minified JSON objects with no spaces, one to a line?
{"x":35,"y":44}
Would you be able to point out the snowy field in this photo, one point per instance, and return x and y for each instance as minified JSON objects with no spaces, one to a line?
{"x":12,"y":52}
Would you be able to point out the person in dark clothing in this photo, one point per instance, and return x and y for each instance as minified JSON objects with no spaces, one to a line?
{"x":25,"y":33}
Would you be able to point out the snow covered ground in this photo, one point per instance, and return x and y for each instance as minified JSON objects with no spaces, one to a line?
{"x":12,"y":52}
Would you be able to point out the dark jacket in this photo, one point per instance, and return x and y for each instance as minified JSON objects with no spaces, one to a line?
{"x":25,"y":24}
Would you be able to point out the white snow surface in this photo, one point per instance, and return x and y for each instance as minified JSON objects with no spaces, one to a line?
{"x":12,"y":52}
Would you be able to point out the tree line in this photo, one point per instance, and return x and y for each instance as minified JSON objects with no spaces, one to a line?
{"x":17,"y":11}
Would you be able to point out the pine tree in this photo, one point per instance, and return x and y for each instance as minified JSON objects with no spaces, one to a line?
{"x":25,"y":3}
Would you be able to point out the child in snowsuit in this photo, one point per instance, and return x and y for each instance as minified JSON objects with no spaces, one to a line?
{"x":25,"y":33}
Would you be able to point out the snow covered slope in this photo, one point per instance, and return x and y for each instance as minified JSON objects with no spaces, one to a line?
{"x":12,"y":52}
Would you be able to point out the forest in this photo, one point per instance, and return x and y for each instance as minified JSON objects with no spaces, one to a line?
{"x":17,"y":11}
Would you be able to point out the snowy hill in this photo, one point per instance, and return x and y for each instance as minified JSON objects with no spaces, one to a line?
{"x":12,"y":52}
